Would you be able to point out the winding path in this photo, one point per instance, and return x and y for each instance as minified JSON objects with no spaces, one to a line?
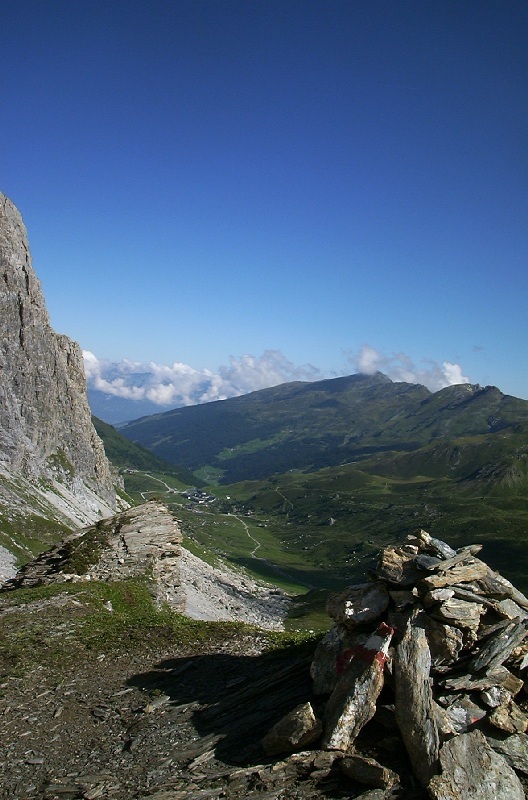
{"x":169,"y":489}
{"x":284,"y":498}
{"x":258,"y":545}
{"x":256,"y":541}
{"x":266,"y":561}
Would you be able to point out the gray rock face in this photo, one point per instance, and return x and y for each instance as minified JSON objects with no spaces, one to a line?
{"x":471,"y":770}
{"x":46,"y":434}
{"x":414,"y":699}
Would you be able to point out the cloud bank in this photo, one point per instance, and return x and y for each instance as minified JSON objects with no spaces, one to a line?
{"x":400,"y":367}
{"x":182,"y":385}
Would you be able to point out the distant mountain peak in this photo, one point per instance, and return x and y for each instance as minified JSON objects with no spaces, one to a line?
{"x":310,"y":425}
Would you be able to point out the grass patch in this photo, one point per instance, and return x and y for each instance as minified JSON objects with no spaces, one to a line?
{"x":249,"y":543}
{"x":59,"y":461}
{"x":29,"y":535}
{"x":308,"y":612}
{"x":80,"y":553}
{"x":55,"y":626}
{"x":139,"y":484}
{"x":253,"y":446}
{"x":209,"y":475}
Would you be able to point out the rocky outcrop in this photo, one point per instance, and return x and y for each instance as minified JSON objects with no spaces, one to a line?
{"x":146,"y":541}
{"x":51,"y":458}
{"x":142,"y":541}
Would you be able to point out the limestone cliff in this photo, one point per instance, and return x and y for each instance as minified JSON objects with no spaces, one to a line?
{"x":52,"y":462}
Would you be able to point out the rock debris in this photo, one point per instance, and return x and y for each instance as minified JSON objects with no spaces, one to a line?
{"x":408,"y":696}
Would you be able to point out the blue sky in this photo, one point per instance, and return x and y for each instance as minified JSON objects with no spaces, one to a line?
{"x":333,"y":184}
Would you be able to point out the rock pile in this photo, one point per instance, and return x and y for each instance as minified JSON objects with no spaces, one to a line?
{"x":432,"y":649}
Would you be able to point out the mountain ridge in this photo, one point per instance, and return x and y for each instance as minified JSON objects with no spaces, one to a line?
{"x":310,"y":425}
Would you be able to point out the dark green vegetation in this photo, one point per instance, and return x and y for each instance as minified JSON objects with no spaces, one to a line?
{"x":76,"y":554}
{"x":126,"y":455}
{"x":27,"y":535}
{"x":328,"y":472}
{"x":308,"y":426}
{"x":338,"y":518}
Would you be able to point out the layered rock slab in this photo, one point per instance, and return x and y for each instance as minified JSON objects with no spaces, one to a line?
{"x":472,"y":770}
{"x":142,"y":541}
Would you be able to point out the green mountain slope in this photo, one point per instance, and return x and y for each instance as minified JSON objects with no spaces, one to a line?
{"x":127,"y":455}
{"x":328,"y":472}
{"x":308,"y":426}
{"x":336,"y":518}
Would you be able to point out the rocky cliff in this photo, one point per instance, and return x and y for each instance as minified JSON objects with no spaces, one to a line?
{"x":52,"y":462}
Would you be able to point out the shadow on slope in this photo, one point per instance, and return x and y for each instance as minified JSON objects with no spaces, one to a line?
{"x":233,"y":700}
{"x":222,"y":705}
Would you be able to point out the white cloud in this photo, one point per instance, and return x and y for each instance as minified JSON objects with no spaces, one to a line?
{"x":368,"y":360}
{"x":182,"y":385}
{"x":453,"y":373}
{"x":400,"y":367}
{"x":170,"y":386}
{"x":247,"y":373}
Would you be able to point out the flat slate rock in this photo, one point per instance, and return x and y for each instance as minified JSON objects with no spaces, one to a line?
{"x":513,"y":748}
{"x":293,"y":732}
{"x":368,"y":771}
{"x":398,"y":565}
{"x":359,"y":604}
{"x":472,"y":770}
{"x":414,"y":699}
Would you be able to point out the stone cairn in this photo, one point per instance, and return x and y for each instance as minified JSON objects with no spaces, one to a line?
{"x":432,"y":648}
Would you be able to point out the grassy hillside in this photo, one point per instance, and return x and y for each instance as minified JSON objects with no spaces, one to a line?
{"x":127,"y":455}
{"x":322,"y":530}
{"x":337,"y":518}
{"x":294,"y":425}
{"x":308,"y":426}
{"x":454,"y":463}
{"x":323,"y":474}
